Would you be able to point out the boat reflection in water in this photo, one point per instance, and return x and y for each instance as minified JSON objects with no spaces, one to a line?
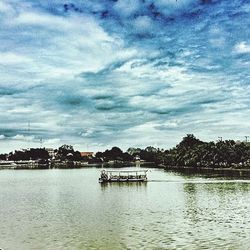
{"x":126,"y":186}
{"x":123,"y":176}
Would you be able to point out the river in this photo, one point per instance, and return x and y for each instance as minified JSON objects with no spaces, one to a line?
{"x":69,"y":209}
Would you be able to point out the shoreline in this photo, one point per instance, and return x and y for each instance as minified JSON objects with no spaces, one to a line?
{"x":213,"y":172}
{"x":35,"y":165}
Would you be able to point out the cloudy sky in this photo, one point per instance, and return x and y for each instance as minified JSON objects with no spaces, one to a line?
{"x":99,"y":73}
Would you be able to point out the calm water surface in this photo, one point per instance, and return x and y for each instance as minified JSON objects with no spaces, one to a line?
{"x":69,"y":209}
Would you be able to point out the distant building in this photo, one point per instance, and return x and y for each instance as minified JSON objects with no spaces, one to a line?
{"x":137,"y":158}
{"x":238,"y":142}
{"x":23,"y":149}
{"x":245,"y":142}
{"x":51,"y":152}
{"x":86,"y":154}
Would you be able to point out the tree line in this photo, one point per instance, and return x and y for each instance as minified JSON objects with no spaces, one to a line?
{"x":198,"y":154}
{"x":190,"y":152}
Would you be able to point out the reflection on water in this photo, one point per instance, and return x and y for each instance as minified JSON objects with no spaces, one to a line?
{"x":69,"y":209}
{"x":126,"y":185}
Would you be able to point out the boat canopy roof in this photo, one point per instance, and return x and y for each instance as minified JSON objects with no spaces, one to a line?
{"x":124,"y":171}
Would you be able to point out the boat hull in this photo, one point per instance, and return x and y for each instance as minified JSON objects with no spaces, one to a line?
{"x":122,"y":180}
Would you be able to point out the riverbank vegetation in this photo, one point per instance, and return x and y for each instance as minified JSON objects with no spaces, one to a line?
{"x":195,"y":153}
{"x":190,"y":152}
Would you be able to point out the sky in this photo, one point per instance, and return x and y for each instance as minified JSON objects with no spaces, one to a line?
{"x":103,"y":73}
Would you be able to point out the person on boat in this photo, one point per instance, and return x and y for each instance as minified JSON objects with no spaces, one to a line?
{"x":104,"y":175}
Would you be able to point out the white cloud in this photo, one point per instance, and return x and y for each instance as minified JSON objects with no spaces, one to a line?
{"x":169,"y":7}
{"x":22,"y":137}
{"x":22,"y":110}
{"x":52,"y":142}
{"x":143,"y":24}
{"x":5,"y":8}
{"x":41,"y":19}
{"x":242,"y":47}
{"x":62,"y":47}
{"x":217,"y":42}
{"x":2,"y":137}
{"x":126,"y":7}
{"x":8,"y":58}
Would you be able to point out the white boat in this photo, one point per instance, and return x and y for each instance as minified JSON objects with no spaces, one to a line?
{"x":123,"y":176}
{"x":7,"y":164}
